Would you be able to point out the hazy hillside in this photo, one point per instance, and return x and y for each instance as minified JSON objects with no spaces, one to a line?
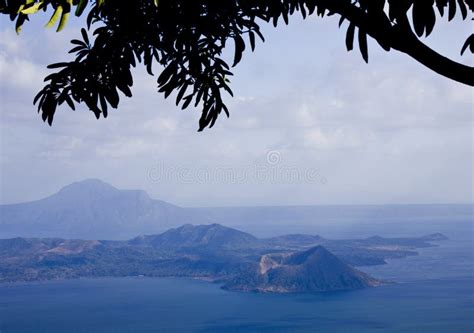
{"x":189,"y":236}
{"x":93,"y":209}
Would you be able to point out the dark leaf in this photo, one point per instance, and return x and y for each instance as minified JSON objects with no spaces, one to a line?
{"x":239,"y":49}
{"x":58,"y":65}
{"x":252,"y":40}
{"x":363,"y":45}
{"x":350,"y":37}
{"x":84,"y":36}
{"x":452,"y":9}
{"x":469,"y":43}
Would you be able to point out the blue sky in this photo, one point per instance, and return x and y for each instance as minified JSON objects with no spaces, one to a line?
{"x":310,"y":124}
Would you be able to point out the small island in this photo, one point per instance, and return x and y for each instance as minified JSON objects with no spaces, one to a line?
{"x":237,"y":260}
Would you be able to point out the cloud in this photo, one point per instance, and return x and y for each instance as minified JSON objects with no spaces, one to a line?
{"x":20,"y":73}
{"x":390,"y":131}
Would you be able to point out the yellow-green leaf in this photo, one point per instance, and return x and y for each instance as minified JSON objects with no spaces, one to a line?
{"x":57,"y":13}
{"x":80,"y":7}
{"x":65,"y":15}
{"x":19,"y":22}
{"x":63,"y":21}
{"x":32,"y":9}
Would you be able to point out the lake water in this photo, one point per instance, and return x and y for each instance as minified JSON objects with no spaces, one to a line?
{"x":180,"y":305}
{"x":434,"y":293}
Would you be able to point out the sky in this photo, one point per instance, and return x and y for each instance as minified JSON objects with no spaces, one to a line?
{"x":310,"y":124}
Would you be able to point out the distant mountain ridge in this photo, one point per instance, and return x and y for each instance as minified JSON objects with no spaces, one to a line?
{"x":93,"y":209}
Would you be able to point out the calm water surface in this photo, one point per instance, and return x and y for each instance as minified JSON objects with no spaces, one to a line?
{"x":180,"y":305}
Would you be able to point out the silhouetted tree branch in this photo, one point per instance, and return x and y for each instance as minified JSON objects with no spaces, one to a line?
{"x":188,"y":37}
{"x":400,"y":36}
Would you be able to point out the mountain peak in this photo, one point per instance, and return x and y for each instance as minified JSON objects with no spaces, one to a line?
{"x":93,"y":209}
{"x":91,"y":184}
{"x":314,"y":270}
{"x":317,"y":252}
{"x":93,"y":189}
{"x":204,"y":235}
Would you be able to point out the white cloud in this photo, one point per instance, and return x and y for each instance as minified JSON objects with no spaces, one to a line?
{"x":389,"y":131}
{"x":20,"y":73}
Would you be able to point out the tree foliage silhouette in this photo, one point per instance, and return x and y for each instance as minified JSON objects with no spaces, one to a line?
{"x":188,"y":37}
